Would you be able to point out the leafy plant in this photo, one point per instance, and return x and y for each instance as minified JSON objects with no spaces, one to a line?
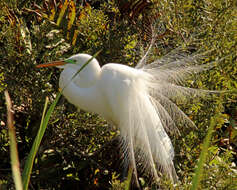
{"x":79,"y":145}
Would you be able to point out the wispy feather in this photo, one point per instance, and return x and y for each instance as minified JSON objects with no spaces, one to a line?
{"x":153,"y":112}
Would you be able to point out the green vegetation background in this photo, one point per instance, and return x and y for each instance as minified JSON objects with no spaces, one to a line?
{"x":79,"y":149}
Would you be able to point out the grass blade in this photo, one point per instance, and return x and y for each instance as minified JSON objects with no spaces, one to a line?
{"x":199,"y":170}
{"x":71,"y":16}
{"x":13,"y":145}
{"x":44,"y":122}
{"x":30,"y":159}
{"x":63,"y":9}
{"x":37,"y":141}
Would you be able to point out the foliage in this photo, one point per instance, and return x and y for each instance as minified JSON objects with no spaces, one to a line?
{"x":13,"y":145}
{"x":30,"y":158}
{"x":78,"y":148}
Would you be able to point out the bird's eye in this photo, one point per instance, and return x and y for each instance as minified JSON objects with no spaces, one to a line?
{"x":72,"y":61}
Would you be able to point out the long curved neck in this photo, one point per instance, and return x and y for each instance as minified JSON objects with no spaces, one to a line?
{"x":89,"y":99}
{"x":81,"y":97}
{"x":84,"y":93}
{"x":85,"y":79}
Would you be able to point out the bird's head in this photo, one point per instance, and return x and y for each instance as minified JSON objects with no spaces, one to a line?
{"x":87,"y":65}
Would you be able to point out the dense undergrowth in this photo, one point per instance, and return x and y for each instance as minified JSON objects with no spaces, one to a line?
{"x":80,"y":150}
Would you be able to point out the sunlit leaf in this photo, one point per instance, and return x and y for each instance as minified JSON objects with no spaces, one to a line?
{"x":62,"y":12}
{"x":71,"y":17}
{"x":52,"y":12}
{"x":74,"y":38}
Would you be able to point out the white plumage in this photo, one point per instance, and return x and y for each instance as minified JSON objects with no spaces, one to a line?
{"x":139,"y":101}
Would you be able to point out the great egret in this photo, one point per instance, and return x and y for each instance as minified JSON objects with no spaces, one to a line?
{"x":139,"y":101}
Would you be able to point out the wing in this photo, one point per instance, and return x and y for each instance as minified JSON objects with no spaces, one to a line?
{"x":144,"y":141}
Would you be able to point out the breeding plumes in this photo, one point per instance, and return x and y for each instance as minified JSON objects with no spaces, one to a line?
{"x":138,"y":101}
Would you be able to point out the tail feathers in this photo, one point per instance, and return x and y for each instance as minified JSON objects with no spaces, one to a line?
{"x":146,"y":143}
{"x":174,"y":67}
{"x":178,"y":93}
{"x":176,"y":71}
{"x":152,"y":111}
{"x":175,"y":113}
{"x":167,"y":76}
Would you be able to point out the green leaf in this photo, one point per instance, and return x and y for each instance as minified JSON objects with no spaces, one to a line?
{"x":61,"y":14}
{"x":30,"y":159}
{"x":71,"y":16}
{"x":199,"y":170}
{"x":44,"y":122}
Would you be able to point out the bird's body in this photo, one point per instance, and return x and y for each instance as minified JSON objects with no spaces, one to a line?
{"x":94,"y":97}
{"x":136,"y":100}
{"x":125,"y":102}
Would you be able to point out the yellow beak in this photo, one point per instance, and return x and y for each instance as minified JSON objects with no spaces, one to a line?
{"x":52,"y":64}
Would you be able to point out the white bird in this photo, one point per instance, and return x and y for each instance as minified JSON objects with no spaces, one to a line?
{"x":139,"y":101}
